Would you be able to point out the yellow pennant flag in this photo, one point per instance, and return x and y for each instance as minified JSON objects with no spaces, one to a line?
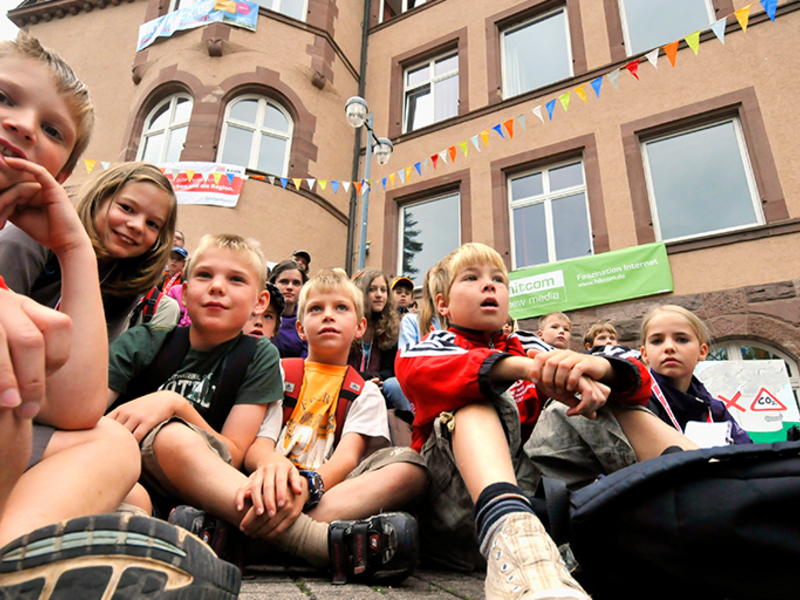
{"x":565,"y":100}
{"x":217,"y":177}
{"x":743,"y":16}
{"x":464,"y":148}
{"x":297,"y":182}
{"x":189,"y":174}
{"x":89,"y":165}
{"x":322,"y":183}
{"x":693,"y":40}
{"x":581,"y":93}
{"x":485,"y":136}
{"x":391,"y":179}
{"x":408,"y":173}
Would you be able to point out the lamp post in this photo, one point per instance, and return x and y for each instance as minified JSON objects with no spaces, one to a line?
{"x":357,"y":114}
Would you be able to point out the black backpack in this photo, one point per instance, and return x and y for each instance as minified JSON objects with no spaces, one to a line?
{"x":715,"y":524}
{"x":168,"y":360}
{"x":146,"y":307}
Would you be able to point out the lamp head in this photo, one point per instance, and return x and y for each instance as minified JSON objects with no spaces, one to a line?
{"x":383,"y":150}
{"x":356,"y":110}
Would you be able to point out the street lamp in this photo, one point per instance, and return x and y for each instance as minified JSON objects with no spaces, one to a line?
{"x":357,"y":114}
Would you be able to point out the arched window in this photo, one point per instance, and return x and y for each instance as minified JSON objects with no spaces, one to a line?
{"x":257,"y":134}
{"x":752,"y":350}
{"x":165,"y":130}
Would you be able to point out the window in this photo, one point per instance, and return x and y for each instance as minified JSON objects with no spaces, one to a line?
{"x":654,"y":23}
{"x":429,"y":230}
{"x":392,"y":8}
{"x":536,"y":53}
{"x":179,"y":4}
{"x":549,"y":215}
{"x":751,"y":350}
{"x":257,"y":134}
{"x":700,"y":181}
{"x":165,"y":130}
{"x":431,"y":92}
{"x":291,"y":8}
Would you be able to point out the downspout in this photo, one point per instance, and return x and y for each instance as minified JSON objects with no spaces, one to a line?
{"x":362,"y":84}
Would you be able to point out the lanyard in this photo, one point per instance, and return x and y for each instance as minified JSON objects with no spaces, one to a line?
{"x":656,"y":389}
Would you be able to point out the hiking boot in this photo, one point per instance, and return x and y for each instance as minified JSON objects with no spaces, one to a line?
{"x":114,"y":555}
{"x":382,"y":548}
{"x":524,"y":563}
{"x":224,"y":539}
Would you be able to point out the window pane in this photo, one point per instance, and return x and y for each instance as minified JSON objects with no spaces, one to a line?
{"x":275,"y":119}
{"x":527,"y":187}
{"x":293,"y":8}
{"x":718,"y":354}
{"x":418,"y":76}
{"x":657,"y":22}
{"x":536,"y":55}
{"x":183,"y":111}
{"x":430,"y":232}
{"x":419,"y":108}
{"x":530,"y":236}
{"x":414,"y":3}
{"x":152,"y":148}
{"x":237,"y":146}
{"x":160,"y":118}
{"x":445,"y":65}
{"x":565,"y":177}
{"x":272,"y":155}
{"x":753,"y":353}
{"x":177,"y":137}
{"x":699,"y":182}
{"x":446,"y":98}
{"x":571,"y":227}
{"x":245,"y":111}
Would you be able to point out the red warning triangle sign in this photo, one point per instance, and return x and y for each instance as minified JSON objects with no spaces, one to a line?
{"x":766,"y":401}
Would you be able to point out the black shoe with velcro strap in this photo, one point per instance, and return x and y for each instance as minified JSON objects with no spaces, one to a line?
{"x":382,"y":548}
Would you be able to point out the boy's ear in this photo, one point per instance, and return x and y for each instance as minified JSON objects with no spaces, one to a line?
{"x":183,"y":294}
{"x":262,"y":303}
{"x":441,"y":306}
{"x":361,"y":328}
{"x":63,"y":176}
{"x":301,"y":331}
{"x":588,"y":346}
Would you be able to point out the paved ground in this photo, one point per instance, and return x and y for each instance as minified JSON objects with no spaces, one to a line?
{"x":299,"y":583}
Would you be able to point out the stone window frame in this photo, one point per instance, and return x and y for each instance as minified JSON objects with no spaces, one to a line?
{"x":170,"y":127}
{"x":742,"y":104}
{"x":454,"y":41}
{"x":431,"y":81}
{"x":458,"y":181}
{"x":583,"y":147}
{"x":498,"y":22}
{"x":616,"y":36}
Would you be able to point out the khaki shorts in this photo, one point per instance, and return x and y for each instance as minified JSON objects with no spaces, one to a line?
{"x":385,"y":457}
{"x":153,"y":476}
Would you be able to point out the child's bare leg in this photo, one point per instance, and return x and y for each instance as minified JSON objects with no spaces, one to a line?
{"x":15,"y":450}
{"x":139,"y":497}
{"x":375,"y":491}
{"x":648,"y":435}
{"x":81,"y":473}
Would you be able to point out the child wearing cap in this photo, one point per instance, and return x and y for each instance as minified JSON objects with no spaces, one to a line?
{"x":403,"y":289}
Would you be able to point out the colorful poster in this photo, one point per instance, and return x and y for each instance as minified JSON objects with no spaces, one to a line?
{"x":590,"y":281}
{"x":213,"y":184}
{"x":239,"y":13}
{"x":756,"y":392}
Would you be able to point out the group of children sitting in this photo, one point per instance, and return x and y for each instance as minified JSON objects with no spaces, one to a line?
{"x":207,"y":428}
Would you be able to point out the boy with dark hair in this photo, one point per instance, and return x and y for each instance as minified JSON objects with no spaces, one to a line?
{"x":456,"y":380}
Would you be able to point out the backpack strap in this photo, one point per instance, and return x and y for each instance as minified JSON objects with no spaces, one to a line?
{"x":352,"y":386}
{"x":147,"y":306}
{"x":234,"y":368}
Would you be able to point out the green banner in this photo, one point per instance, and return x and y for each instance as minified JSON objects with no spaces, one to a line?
{"x":590,"y":281}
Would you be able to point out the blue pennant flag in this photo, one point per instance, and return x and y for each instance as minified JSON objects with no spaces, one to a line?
{"x":383,"y":181}
{"x":230,"y":178}
{"x":418,"y":166}
{"x":596,"y":84}
{"x":335,"y":186}
{"x":498,"y":128}
{"x":770,"y":6}
{"x":551,"y":106}
{"x":284,"y":181}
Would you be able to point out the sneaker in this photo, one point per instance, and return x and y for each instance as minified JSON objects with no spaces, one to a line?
{"x":114,"y":555}
{"x":524,"y":562}
{"x":224,"y":539}
{"x":382,"y":548}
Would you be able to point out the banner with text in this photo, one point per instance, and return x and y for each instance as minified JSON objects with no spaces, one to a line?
{"x":214,"y":184}
{"x":590,"y":281}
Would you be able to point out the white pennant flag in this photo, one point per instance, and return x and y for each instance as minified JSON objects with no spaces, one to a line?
{"x":310,"y":183}
{"x":271,"y":179}
{"x":538,"y":112}
{"x":653,"y":57}
{"x":613,"y":77}
{"x":346,"y":186}
{"x":443,"y":155}
{"x":719,"y":29}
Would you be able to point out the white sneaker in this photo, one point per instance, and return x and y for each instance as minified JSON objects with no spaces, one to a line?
{"x":524,"y":563}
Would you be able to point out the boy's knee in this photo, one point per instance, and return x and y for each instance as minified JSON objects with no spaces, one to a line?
{"x":175,"y":438}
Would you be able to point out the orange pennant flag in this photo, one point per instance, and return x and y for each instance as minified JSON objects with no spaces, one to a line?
{"x":358,"y":186}
{"x":743,"y":16}
{"x":509,"y":125}
{"x":452,"y":151}
{"x":671,"y":50}
{"x":297,"y":182}
{"x":581,"y":93}
{"x":259,"y":177}
{"x":485,"y":136}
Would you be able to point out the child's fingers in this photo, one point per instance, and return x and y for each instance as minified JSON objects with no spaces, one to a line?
{"x":38,"y":172}
{"x":241,"y":495}
{"x":593,"y":397}
{"x":257,"y":493}
{"x":15,"y":197}
{"x":56,"y":327}
{"x":23,"y":356}
{"x":296,"y":481}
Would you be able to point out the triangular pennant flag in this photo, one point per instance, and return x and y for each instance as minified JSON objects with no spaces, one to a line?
{"x":383,"y":181}
{"x":259,"y":177}
{"x":418,"y":167}
{"x":89,"y":164}
{"x":770,"y":6}
{"x":597,"y":84}
{"x":176,"y":172}
{"x":475,"y":142}
{"x":550,"y":106}
{"x":346,"y":186}
{"x":189,"y":174}
{"x":443,"y":155}
{"x":391,"y":179}
{"x":693,"y":39}
{"x":485,"y":137}
{"x":743,"y":16}
{"x":719,"y":29}
{"x":521,"y":121}
{"x":652,"y":56}
{"x":464,"y":147}
{"x":357,"y":184}
{"x":323,"y":183}
{"x":671,"y":50}
{"x":408,"y":173}
{"x":581,"y":93}
{"x":564,"y":98}
{"x":367,"y":186}
{"x":162,"y":169}
{"x":335,"y":186}
{"x":425,"y":164}
{"x":537,"y":110}
{"x":231,"y":177}
{"x":271,"y":179}
{"x":434,"y":160}
{"x":452,"y":151}
{"x":284,"y":181}
{"x":402,"y":176}
{"x":107,"y":164}
{"x":613,"y":77}
{"x":217,"y":177}
{"x":297,"y":182}
{"x":633,"y":67}
{"x":499,"y":129}
{"x":509,"y":125}
{"x":310,"y":183}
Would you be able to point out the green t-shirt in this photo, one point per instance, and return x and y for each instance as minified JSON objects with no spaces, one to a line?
{"x":197,"y":377}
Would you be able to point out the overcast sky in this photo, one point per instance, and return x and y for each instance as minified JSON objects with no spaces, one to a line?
{"x":7,"y":29}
